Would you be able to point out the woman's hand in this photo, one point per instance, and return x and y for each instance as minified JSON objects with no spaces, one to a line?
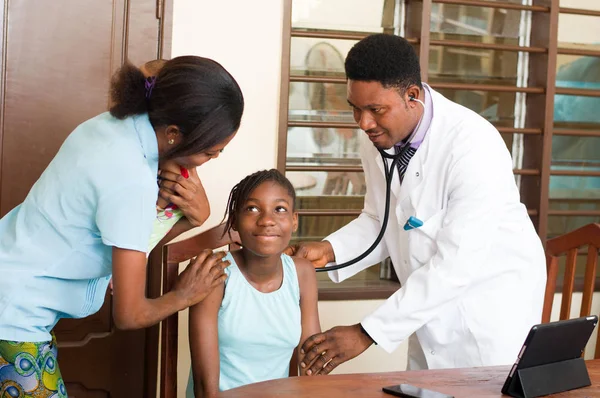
{"x":187,"y":193}
{"x":133,"y":310}
{"x":201,"y":276}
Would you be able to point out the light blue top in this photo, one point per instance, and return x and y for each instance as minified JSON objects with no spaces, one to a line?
{"x":99,"y":191}
{"x":258,"y":332}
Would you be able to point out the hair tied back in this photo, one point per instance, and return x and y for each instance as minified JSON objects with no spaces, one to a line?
{"x":149,"y":84}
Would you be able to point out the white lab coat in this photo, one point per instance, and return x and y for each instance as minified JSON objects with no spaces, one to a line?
{"x":473,"y":276}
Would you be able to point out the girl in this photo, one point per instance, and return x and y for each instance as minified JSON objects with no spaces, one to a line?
{"x":247,"y":330}
{"x":90,"y":215}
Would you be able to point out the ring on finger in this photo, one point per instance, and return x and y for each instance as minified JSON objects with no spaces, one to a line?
{"x":327,"y":363}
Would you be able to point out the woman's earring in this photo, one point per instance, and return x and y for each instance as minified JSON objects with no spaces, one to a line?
{"x":171,"y":141}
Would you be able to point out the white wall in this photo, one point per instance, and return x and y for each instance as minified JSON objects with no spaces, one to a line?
{"x":375,"y":359}
{"x":245,"y":37}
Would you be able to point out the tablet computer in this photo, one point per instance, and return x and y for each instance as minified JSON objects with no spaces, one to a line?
{"x":551,"y":343}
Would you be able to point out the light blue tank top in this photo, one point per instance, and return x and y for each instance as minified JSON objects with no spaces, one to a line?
{"x":258,"y":332}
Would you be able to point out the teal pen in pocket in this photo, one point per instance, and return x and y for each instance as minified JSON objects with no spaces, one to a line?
{"x":412,"y":223}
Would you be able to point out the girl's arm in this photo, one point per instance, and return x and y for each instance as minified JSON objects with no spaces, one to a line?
{"x":133,"y":310}
{"x":307,"y":279}
{"x":204,"y":344}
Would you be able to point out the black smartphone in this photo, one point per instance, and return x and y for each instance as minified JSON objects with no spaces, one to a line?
{"x":408,"y":391}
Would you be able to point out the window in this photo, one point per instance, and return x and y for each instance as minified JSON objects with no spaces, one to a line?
{"x":574,"y":189}
{"x":506,"y":60}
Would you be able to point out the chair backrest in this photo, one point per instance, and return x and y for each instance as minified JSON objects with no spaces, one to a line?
{"x":571,"y":244}
{"x":172,"y":255}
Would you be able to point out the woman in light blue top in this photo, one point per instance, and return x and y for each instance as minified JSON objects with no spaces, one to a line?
{"x":247,"y":330}
{"x":91,"y":212}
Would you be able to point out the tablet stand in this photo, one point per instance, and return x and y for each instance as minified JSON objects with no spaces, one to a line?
{"x":551,"y":378}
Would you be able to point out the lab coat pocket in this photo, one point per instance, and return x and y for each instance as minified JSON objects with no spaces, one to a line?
{"x":422,"y":240}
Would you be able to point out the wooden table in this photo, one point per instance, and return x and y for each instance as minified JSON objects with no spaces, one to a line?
{"x":471,"y":383}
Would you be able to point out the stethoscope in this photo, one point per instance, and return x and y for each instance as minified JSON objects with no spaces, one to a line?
{"x":389,"y":176}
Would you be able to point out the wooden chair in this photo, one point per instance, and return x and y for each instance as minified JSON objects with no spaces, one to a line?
{"x":570,"y":244}
{"x":172,"y":255}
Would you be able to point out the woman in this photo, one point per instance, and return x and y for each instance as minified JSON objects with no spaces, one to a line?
{"x":91,"y":212}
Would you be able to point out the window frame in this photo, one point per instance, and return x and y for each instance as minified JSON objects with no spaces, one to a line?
{"x":538,"y":125}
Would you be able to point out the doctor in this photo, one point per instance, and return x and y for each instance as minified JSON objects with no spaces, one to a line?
{"x":473,"y":275}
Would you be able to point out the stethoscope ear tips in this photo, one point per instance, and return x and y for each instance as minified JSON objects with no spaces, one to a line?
{"x":413,"y":99}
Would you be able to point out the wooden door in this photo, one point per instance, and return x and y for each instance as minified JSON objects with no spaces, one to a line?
{"x":57,"y":60}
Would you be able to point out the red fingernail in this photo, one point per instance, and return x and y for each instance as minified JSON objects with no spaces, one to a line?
{"x":184,"y":172}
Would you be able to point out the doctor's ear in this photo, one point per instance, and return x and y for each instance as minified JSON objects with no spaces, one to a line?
{"x":412,"y":94}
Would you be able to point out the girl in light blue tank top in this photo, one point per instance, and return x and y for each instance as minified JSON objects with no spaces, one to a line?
{"x":248,"y":330}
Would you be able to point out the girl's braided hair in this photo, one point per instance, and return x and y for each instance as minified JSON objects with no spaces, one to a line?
{"x":241,"y":191}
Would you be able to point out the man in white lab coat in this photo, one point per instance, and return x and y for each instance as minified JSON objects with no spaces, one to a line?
{"x":473,"y":275}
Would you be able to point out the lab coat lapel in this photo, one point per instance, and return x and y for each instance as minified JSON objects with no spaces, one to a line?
{"x":417,"y":166}
{"x":380,"y":164}
{"x":415,"y":172}
{"x":412,"y":177}
{"x":396,"y":186}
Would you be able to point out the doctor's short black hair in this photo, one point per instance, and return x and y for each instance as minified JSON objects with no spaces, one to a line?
{"x":387,"y":59}
{"x":242,"y":190}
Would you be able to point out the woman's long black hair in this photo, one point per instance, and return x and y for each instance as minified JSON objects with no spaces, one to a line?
{"x":193,"y":93}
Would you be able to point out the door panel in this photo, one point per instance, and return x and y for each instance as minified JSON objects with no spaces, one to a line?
{"x":143,"y":31}
{"x":58,"y":65}
{"x":98,"y":361}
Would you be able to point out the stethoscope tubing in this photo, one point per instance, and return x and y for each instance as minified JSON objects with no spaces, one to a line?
{"x":389,"y":176}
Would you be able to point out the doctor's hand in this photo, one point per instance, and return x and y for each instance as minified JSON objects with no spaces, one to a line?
{"x":318,"y":253}
{"x":323,"y":352}
{"x":187,"y":193}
